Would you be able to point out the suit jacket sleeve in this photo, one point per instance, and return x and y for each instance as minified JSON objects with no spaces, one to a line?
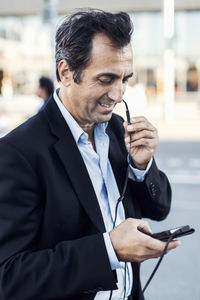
{"x":27,"y":272}
{"x":153,"y":195}
{"x":150,"y":198}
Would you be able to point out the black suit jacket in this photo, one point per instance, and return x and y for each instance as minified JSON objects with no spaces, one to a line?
{"x":51,"y":243}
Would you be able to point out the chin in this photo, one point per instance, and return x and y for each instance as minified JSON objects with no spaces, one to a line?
{"x":104,"y":118}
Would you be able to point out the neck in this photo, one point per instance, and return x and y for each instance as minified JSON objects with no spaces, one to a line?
{"x":87,"y":127}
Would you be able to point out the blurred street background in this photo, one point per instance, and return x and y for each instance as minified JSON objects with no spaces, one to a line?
{"x":165,"y":88}
{"x":178,"y":275}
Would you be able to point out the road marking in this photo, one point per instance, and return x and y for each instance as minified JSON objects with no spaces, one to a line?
{"x":194,"y":162}
{"x":178,"y":163}
{"x":184,"y":177}
{"x":174,"y":162}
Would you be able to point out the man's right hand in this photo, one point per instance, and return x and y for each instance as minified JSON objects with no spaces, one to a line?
{"x":132,"y":245}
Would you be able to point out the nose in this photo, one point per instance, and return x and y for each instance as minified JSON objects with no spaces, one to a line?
{"x":116,"y":92}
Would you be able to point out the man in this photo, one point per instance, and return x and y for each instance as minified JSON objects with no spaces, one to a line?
{"x":63,"y":171}
{"x":45,"y":89}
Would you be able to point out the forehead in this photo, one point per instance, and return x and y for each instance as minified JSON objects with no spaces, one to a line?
{"x":107,"y":58}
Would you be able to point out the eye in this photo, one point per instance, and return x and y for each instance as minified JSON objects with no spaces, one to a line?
{"x":106,"y":80}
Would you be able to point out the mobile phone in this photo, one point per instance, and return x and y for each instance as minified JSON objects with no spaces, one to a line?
{"x":178,"y":232}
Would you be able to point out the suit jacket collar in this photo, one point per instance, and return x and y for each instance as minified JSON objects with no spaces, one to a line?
{"x":69,"y":154}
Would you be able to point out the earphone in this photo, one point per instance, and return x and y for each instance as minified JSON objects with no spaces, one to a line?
{"x":127,"y":113}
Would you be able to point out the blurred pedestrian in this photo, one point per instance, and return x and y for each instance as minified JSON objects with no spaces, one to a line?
{"x":63,"y":171}
{"x":45,"y":89}
{"x":192,"y":79}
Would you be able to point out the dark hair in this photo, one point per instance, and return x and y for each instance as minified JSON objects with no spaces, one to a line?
{"x":74,"y":36}
{"x":47,"y":84}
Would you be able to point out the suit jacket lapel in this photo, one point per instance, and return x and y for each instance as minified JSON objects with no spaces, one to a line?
{"x":70,"y":156}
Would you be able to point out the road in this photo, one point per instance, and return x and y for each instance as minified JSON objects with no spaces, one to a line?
{"x":179,"y":274}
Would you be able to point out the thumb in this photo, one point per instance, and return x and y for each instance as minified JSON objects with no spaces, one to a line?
{"x":144,"y":227}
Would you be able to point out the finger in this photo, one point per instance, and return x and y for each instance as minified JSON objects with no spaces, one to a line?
{"x":157,"y":245}
{"x":142,"y":142}
{"x":140,"y":126}
{"x":141,"y":225}
{"x":141,"y":134}
{"x":138,"y":131}
{"x":138,"y":119}
{"x":141,"y":122}
{"x":173,"y":245}
{"x":145,"y":142}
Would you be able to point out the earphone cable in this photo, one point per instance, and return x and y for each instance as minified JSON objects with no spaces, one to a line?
{"x":159,"y":261}
{"x":121,"y":198}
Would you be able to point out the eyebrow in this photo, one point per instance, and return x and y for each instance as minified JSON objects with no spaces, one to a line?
{"x":113,"y":75}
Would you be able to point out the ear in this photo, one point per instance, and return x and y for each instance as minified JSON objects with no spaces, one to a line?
{"x":65,"y":73}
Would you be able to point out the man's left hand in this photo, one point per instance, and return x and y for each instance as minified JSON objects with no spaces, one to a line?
{"x":141,"y":139}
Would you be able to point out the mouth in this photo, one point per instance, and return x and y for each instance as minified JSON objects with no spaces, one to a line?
{"x":107,"y":107}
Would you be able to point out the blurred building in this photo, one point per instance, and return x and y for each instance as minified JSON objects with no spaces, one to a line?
{"x":25,"y":52}
{"x":148,"y":45}
{"x":26,"y":42}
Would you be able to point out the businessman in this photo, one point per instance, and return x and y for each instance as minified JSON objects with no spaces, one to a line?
{"x":63,"y":232}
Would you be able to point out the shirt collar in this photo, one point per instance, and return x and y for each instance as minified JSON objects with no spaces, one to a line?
{"x":76,"y":130}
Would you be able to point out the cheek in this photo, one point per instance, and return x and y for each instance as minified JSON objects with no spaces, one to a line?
{"x":86,"y":98}
{"x":94,"y":94}
{"x":95,"y":88}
